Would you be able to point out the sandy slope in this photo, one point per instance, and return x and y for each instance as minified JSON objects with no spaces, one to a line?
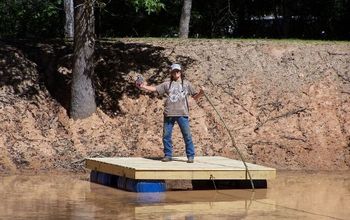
{"x":287,"y":103}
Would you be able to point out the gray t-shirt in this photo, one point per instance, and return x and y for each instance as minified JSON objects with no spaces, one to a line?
{"x":176,"y":103}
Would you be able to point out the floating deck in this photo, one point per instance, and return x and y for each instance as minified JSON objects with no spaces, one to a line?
{"x":204,"y":168}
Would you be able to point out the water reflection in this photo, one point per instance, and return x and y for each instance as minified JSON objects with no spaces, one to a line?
{"x":293,"y":195}
{"x":184,"y":204}
{"x":149,"y":198}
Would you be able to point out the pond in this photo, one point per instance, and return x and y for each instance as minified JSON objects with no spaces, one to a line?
{"x":292,"y":195}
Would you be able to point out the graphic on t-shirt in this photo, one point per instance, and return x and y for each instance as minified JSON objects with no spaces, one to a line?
{"x":176,"y":93}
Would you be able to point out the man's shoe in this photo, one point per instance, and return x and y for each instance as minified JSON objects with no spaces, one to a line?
{"x":190,"y":160}
{"x":166,"y":159}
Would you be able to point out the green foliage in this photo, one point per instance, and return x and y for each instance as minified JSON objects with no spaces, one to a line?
{"x":313,"y":19}
{"x":31,"y":18}
{"x":149,"y":5}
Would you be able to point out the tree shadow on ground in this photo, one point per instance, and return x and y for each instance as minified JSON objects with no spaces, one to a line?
{"x":116,"y":69}
{"x":116,"y":66}
{"x":18,"y":75}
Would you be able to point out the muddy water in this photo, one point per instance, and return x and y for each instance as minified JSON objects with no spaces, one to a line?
{"x":293,"y":195}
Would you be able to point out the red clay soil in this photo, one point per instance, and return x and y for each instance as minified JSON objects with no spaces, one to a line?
{"x":286,"y":103}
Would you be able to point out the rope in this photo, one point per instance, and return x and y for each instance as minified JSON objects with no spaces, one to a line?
{"x":233,"y":142}
{"x":213,"y":179}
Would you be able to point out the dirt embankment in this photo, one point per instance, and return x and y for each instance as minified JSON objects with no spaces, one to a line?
{"x":287,"y":103}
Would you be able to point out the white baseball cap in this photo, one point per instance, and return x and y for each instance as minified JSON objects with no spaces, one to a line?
{"x":175,"y":66}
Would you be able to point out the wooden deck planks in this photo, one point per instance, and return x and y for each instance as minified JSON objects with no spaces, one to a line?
{"x":205,"y":167}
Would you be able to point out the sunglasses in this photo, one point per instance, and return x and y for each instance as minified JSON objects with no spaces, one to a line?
{"x":175,"y":71}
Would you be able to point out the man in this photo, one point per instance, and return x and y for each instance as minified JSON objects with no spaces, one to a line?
{"x":176,"y":109}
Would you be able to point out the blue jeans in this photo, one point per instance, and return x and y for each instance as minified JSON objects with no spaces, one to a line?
{"x":184,"y":124}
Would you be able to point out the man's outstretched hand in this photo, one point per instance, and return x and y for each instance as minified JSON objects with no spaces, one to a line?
{"x":141,"y":84}
{"x":139,"y":81}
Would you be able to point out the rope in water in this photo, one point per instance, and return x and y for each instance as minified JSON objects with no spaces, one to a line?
{"x":232,"y":140}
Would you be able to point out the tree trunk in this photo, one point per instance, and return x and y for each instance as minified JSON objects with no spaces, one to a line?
{"x":69,"y":24}
{"x":185,"y":19}
{"x":83,"y":95}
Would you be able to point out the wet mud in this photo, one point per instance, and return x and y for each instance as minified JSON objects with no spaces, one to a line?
{"x":292,"y":195}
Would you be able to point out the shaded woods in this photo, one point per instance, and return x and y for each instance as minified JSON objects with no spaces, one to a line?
{"x":314,"y":19}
